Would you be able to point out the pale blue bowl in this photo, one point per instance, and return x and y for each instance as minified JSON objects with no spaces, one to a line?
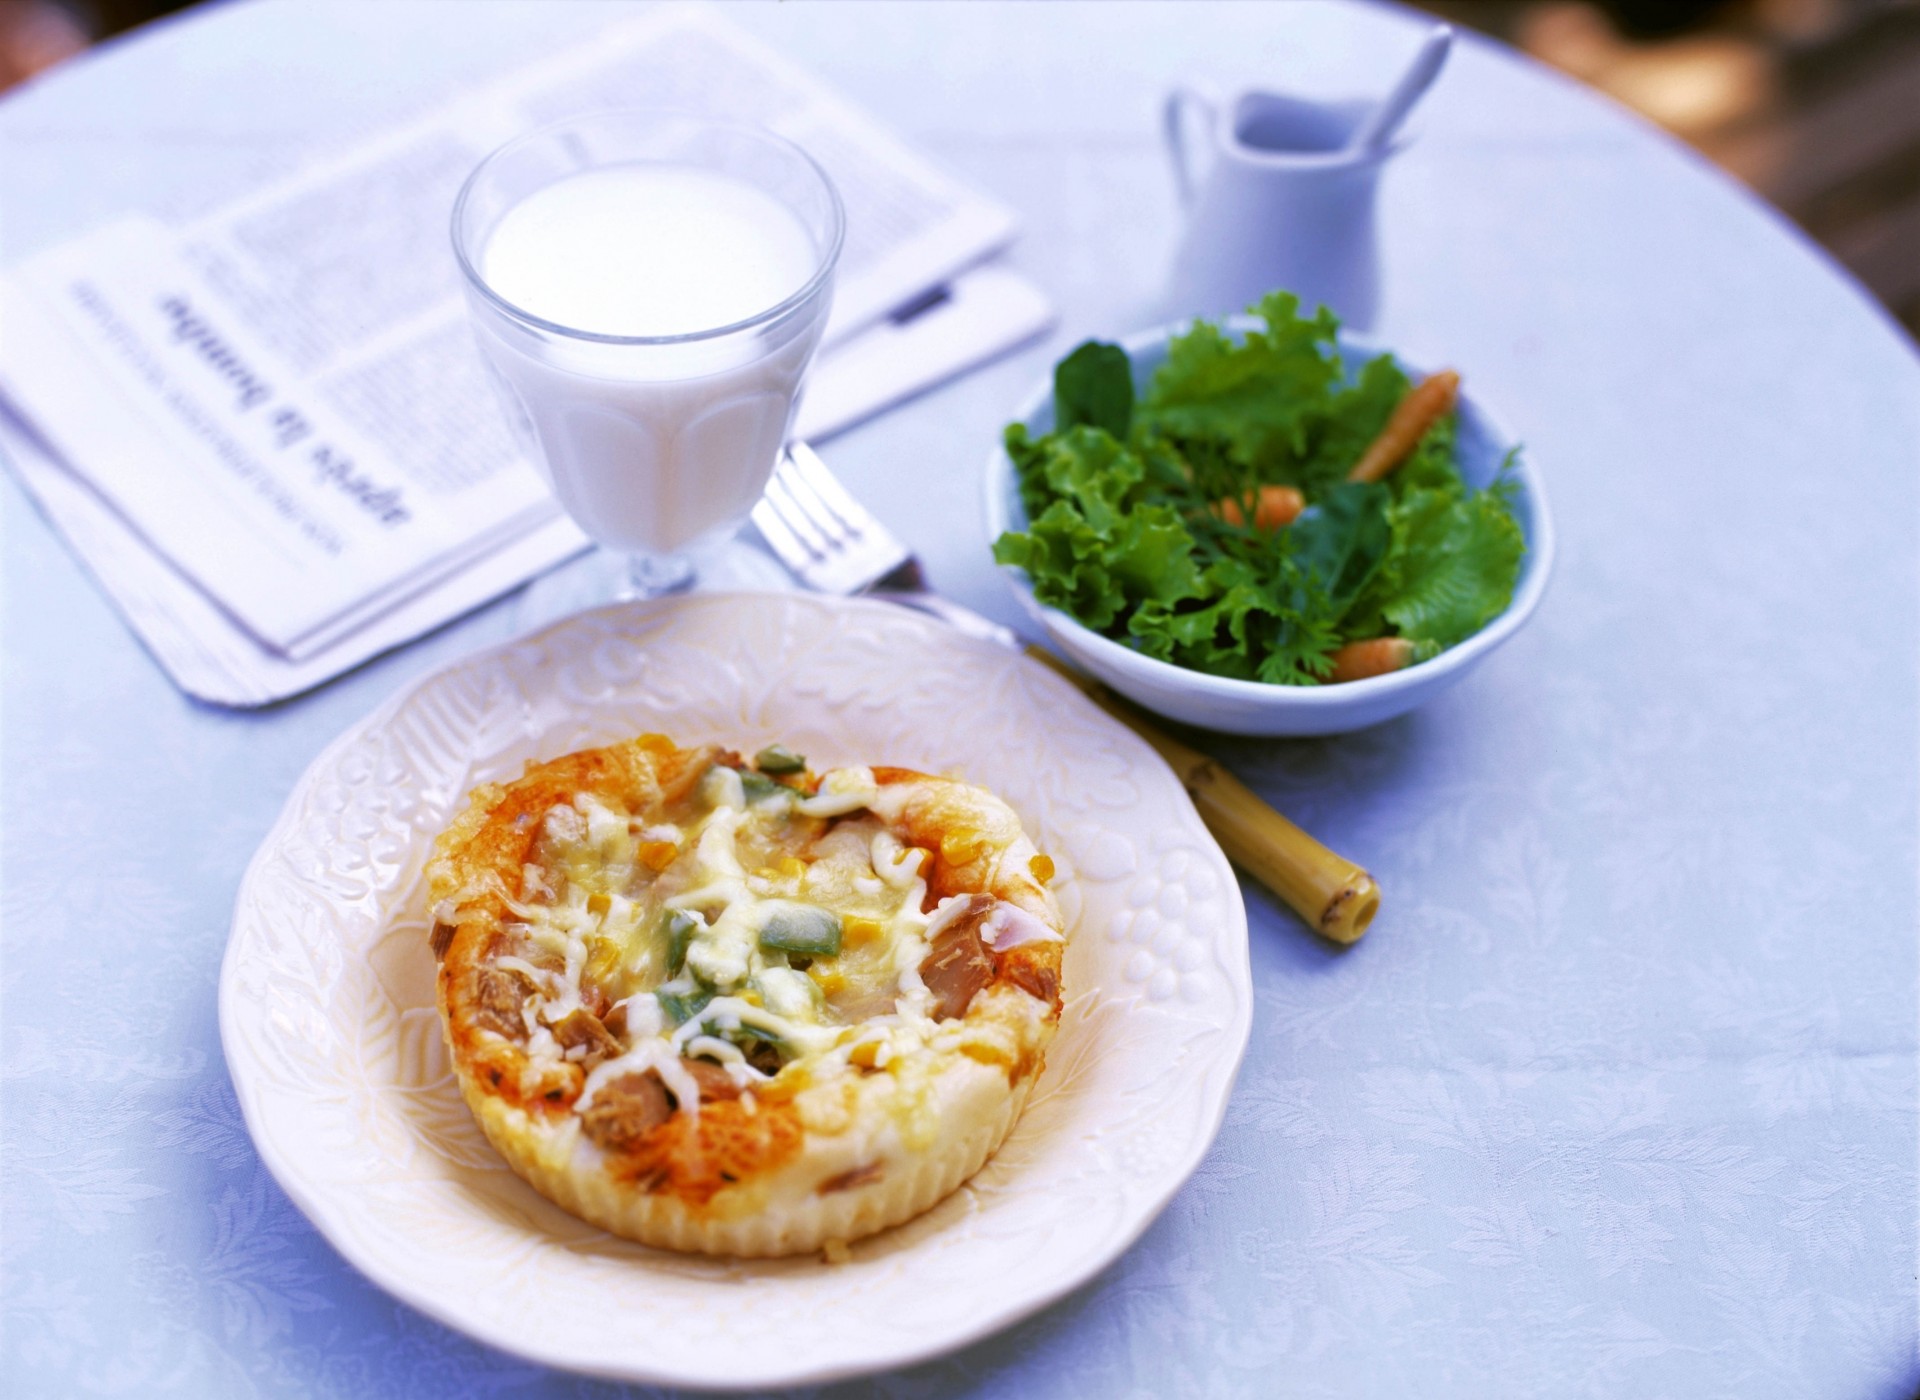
{"x":1254,"y":707}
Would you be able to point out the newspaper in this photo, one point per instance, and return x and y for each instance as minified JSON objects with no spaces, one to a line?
{"x":280,"y":398}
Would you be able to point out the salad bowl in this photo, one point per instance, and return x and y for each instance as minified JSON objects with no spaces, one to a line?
{"x":1260,"y":708}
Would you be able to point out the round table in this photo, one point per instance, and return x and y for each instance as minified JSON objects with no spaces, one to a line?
{"x":1618,"y":1095}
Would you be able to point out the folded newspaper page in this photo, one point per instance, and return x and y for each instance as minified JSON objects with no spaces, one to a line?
{"x":281,"y":400}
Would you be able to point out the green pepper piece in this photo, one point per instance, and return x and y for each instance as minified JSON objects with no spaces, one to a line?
{"x":750,"y":1039}
{"x":747,"y":1031}
{"x":680,"y":926}
{"x":682,"y":1007}
{"x":758,"y":785}
{"x":801,"y":929}
{"x":778,"y":758}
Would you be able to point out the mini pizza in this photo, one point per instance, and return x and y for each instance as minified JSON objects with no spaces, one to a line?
{"x":736,"y":1008}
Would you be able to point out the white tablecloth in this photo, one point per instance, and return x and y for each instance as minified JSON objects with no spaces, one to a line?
{"x":1617,"y":1097}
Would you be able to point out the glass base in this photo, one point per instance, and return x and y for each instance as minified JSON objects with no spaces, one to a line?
{"x":600,"y":576}
{"x":654,"y":575}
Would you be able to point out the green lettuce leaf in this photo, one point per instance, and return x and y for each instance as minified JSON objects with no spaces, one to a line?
{"x":1064,"y":557}
{"x":1343,"y":541}
{"x":1253,"y":626}
{"x":1090,"y":552}
{"x":1094,"y":386}
{"x":1085,"y":466}
{"x":1150,"y":554}
{"x":1455,"y":561}
{"x":1124,"y":533}
{"x":1259,"y":397}
{"x":1351,"y":421}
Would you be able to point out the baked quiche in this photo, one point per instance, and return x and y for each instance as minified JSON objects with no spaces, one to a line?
{"x":736,"y":1007}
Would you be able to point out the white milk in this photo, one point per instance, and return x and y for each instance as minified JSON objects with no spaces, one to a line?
{"x":650,"y":447}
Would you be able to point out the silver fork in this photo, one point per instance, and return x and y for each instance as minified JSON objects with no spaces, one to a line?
{"x":833,"y":544}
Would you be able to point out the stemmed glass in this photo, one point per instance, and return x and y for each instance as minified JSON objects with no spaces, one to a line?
{"x":648,"y":288}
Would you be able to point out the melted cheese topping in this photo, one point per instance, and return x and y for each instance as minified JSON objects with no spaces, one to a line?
{"x":712,"y":936}
{"x":685,"y":995}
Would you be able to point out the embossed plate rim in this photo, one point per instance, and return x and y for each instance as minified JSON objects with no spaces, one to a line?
{"x":327,"y":1203}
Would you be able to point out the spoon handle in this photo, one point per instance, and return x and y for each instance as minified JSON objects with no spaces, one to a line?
{"x":1378,"y":129}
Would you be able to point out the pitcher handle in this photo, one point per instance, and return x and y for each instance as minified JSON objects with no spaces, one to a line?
{"x":1182,"y":104}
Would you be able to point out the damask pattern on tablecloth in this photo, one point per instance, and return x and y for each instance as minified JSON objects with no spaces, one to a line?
{"x":1616,"y":1098}
{"x":1681,"y":1146}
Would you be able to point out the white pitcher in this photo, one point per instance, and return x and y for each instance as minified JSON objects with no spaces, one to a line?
{"x":1276,"y":199}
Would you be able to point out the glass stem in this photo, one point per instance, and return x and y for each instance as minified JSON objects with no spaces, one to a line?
{"x":651,"y":575}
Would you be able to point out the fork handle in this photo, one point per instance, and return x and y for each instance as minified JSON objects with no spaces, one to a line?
{"x":1336,"y":897}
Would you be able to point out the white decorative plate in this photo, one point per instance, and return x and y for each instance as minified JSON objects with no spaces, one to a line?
{"x":326,"y":994}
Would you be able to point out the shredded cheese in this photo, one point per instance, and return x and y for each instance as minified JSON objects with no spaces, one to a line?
{"x":620,"y":892}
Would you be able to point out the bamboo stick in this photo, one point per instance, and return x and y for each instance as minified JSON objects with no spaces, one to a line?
{"x":1335,"y":897}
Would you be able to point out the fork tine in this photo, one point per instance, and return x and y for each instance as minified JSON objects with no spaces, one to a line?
{"x":781,"y":536}
{"x":797,"y":519}
{"x":821,"y":532}
{"x":808,"y":514}
{"x":803,"y":462}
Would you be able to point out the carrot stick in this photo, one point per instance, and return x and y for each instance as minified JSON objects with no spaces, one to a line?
{"x":1277,"y":506}
{"x":1425,"y":404}
{"x":1377,"y":656}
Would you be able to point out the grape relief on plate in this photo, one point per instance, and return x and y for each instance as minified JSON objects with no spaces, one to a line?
{"x":330,"y":1030}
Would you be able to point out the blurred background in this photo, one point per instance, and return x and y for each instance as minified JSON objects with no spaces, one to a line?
{"x":1813,"y":104}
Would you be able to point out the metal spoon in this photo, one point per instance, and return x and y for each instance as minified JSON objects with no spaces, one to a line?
{"x":1378,"y":129}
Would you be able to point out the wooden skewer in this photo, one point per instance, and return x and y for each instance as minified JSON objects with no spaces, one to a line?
{"x":1336,"y":897}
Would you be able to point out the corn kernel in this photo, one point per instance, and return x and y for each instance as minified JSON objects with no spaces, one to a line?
{"x":603,"y":959}
{"x":792,"y":867}
{"x":958,"y":848}
{"x":855,"y":931}
{"x":657,"y":855}
{"x":1042,"y":868}
{"x":598,"y":905}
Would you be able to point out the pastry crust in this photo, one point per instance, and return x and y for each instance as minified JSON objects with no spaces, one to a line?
{"x":720,"y":1010}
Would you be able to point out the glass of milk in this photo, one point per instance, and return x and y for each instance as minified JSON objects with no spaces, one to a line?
{"x":648,"y":288}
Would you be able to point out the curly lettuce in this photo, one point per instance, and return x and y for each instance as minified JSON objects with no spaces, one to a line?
{"x":1125,"y":534}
